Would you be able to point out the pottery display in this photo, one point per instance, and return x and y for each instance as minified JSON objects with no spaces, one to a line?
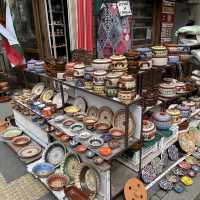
{"x":185,"y":111}
{"x":159,"y":61}
{"x":112,"y":79}
{"x":11,"y":132}
{"x":29,"y":151}
{"x":89,"y":72}
{"x":175,"y":115}
{"x":196,"y":100}
{"x":102,"y":127}
{"x":126,"y":97}
{"x":127,"y":83}
{"x":190,"y":104}
{"x":105,"y":114}
{"x":93,"y":111}
{"x":79,"y":70}
{"x":95,"y":142}
{"x":99,"y":89}
{"x":99,"y":77}
{"x":57,"y":182}
{"x":162,"y":120}
{"x":119,"y":63}
{"x":21,"y":140}
{"x":43,"y":170}
{"x":133,"y":58}
{"x":148,"y":130}
{"x":102,"y":64}
{"x":71,"y":110}
{"x":76,"y":128}
{"x":89,"y":122}
{"x":167,"y":90}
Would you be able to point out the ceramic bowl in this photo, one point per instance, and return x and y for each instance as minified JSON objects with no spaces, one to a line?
{"x":101,"y":127}
{"x":148,"y":130}
{"x":166,"y":185}
{"x":59,"y":118}
{"x":95,"y":142}
{"x":179,"y":188}
{"x":116,"y":133}
{"x":186,"y":180}
{"x":57,"y":182}
{"x":71,"y":110}
{"x":43,"y":170}
{"x":89,"y":122}
{"x":90,"y":154}
{"x":162,"y":120}
{"x":114,"y":144}
{"x":68,"y":122}
{"x":21,"y":140}
{"x":84,"y":135}
{"x":190,"y":104}
{"x":106,"y":137}
{"x":79,"y":116}
{"x":105,"y":151}
{"x":76,"y":128}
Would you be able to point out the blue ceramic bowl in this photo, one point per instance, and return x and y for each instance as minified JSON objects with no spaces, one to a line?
{"x":43,"y":169}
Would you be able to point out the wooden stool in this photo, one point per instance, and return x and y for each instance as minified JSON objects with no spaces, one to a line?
{"x":134,"y":190}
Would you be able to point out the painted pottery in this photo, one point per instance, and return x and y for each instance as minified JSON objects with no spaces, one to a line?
{"x":101,"y":127}
{"x":21,"y":140}
{"x":57,"y":182}
{"x":126,"y":97}
{"x":105,"y":151}
{"x":159,"y":51}
{"x":167,"y":90}
{"x":145,"y":64}
{"x":89,"y":71}
{"x":71,"y":110}
{"x":119,"y":63}
{"x":190,"y":104}
{"x":79,"y":70}
{"x":179,"y":188}
{"x":166,"y":185}
{"x":175,"y":115}
{"x":148,"y":130}
{"x":186,"y":180}
{"x":133,"y":58}
{"x":159,"y":61}
{"x":112,"y":79}
{"x":116,"y":133}
{"x":76,"y":128}
{"x":145,"y":53}
{"x":173,"y":59}
{"x":196,"y":100}
{"x":127,"y":82}
{"x":102,"y":64}
{"x":89,"y":85}
{"x":162,"y":120}
{"x":95,"y":142}
{"x":3,"y":125}
{"x":180,"y":88}
{"x":185,"y":111}
{"x":43,"y":170}
{"x":99,"y":77}
{"x":89,"y":122}
{"x":99,"y":89}
{"x":111,"y":92}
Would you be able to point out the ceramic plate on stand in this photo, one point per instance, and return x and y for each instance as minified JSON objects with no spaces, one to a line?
{"x":38,"y":89}
{"x":29,"y":151}
{"x":105,"y":114}
{"x":47,"y":95}
{"x":81,"y":103}
{"x":58,"y":99}
{"x":92,"y":111}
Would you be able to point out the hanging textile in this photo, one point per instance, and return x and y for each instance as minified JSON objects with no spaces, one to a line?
{"x":85,"y":24}
{"x":167,"y":20}
{"x":113,"y":31}
{"x":72,"y":20}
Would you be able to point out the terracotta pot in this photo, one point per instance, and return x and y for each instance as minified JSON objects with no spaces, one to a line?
{"x":119,"y":63}
{"x":3,"y":125}
{"x":127,"y":82}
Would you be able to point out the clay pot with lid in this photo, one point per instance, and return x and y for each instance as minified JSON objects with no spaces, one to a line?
{"x":148,"y":130}
{"x":196,"y":100}
{"x":127,"y":82}
{"x":190,"y":104}
{"x":133,"y":61}
{"x":167,"y":90}
{"x":162,"y":120}
{"x":127,"y":97}
{"x":99,"y":77}
{"x":185,"y":111}
{"x":175,"y":115}
{"x":119,"y":63}
{"x":112,"y":79}
{"x":79,"y":70}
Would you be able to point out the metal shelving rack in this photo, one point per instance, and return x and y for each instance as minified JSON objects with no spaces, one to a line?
{"x":51,"y":27}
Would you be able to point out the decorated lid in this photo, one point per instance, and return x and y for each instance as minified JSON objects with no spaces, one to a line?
{"x":79,"y":66}
{"x":189,"y":103}
{"x":183,"y":107}
{"x":127,"y":77}
{"x":147,"y":126}
{"x":161,"y":116}
{"x":100,"y":73}
{"x":159,"y":48}
{"x":113,"y":75}
{"x":173,"y":112}
{"x":117,"y":57}
{"x":168,"y":85}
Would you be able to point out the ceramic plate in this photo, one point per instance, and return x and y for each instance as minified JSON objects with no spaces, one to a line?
{"x":156,"y":163}
{"x":92,"y":112}
{"x":179,"y":172}
{"x":85,"y":135}
{"x":119,"y":121}
{"x":96,"y":142}
{"x":58,"y":99}
{"x":21,"y":140}
{"x":59,"y":118}
{"x":43,"y":169}
{"x":173,"y":153}
{"x":38,"y":89}
{"x":148,"y":174}
{"x":11,"y":132}
{"x":29,"y":151}
{"x":89,"y":180}
{"x":166,"y":185}
{"x":81,"y":103}
{"x":192,"y":160}
{"x":55,"y":153}
{"x":105,"y":114}
{"x":196,"y":155}
{"x":47,"y":95}
{"x":187,"y":141}
{"x":71,"y":166}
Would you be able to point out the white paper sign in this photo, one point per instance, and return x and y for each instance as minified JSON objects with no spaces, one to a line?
{"x":124,"y":8}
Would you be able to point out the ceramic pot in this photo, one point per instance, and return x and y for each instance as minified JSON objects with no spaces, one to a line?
{"x":162,"y":120}
{"x":99,"y":89}
{"x":145,"y":64}
{"x":102,"y":127}
{"x":148,"y":130}
{"x":173,"y":58}
{"x":99,"y":77}
{"x":185,"y":111}
{"x":111,"y":92}
{"x":89,"y":122}
{"x":133,"y":58}
{"x":102,"y":64}
{"x":119,"y":63}
{"x":158,"y":61}
{"x":88,"y":76}
{"x":127,"y":83}
{"x":89,"y":85}
{"x":180,"y":87}
{"x":79,"y":70}
{"x":112,"y":79}
{"x":196,"y":100}
{"x":145,"y":53}
{"x":3,"y":125}
{"x":127,"y":97}
{"x":190,"y":104}
{"x":159,"y":51}
{"x":175,"y":115}
{"x":167,"y":90}
{"x":172,"y":48}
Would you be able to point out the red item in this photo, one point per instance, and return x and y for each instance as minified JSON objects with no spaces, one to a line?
{"x":105,"y":151}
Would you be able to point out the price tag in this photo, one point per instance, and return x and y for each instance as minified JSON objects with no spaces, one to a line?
{"x":124,"y":8}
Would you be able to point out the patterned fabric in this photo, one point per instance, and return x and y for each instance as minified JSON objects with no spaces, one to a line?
{"x":113,"y":31}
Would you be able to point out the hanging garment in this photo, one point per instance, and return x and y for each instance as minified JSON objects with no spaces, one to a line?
{"x":113,"y":31}
{"x":73,"y":25}
{"x":85,"y":24}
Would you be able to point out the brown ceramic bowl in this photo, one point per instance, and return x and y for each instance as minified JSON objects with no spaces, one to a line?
{"x":117,"y":133}
{"x":89,"y":122}
{"x":21,"y":140}
{"x":102,"y":127}
{"x":57,"y":182}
